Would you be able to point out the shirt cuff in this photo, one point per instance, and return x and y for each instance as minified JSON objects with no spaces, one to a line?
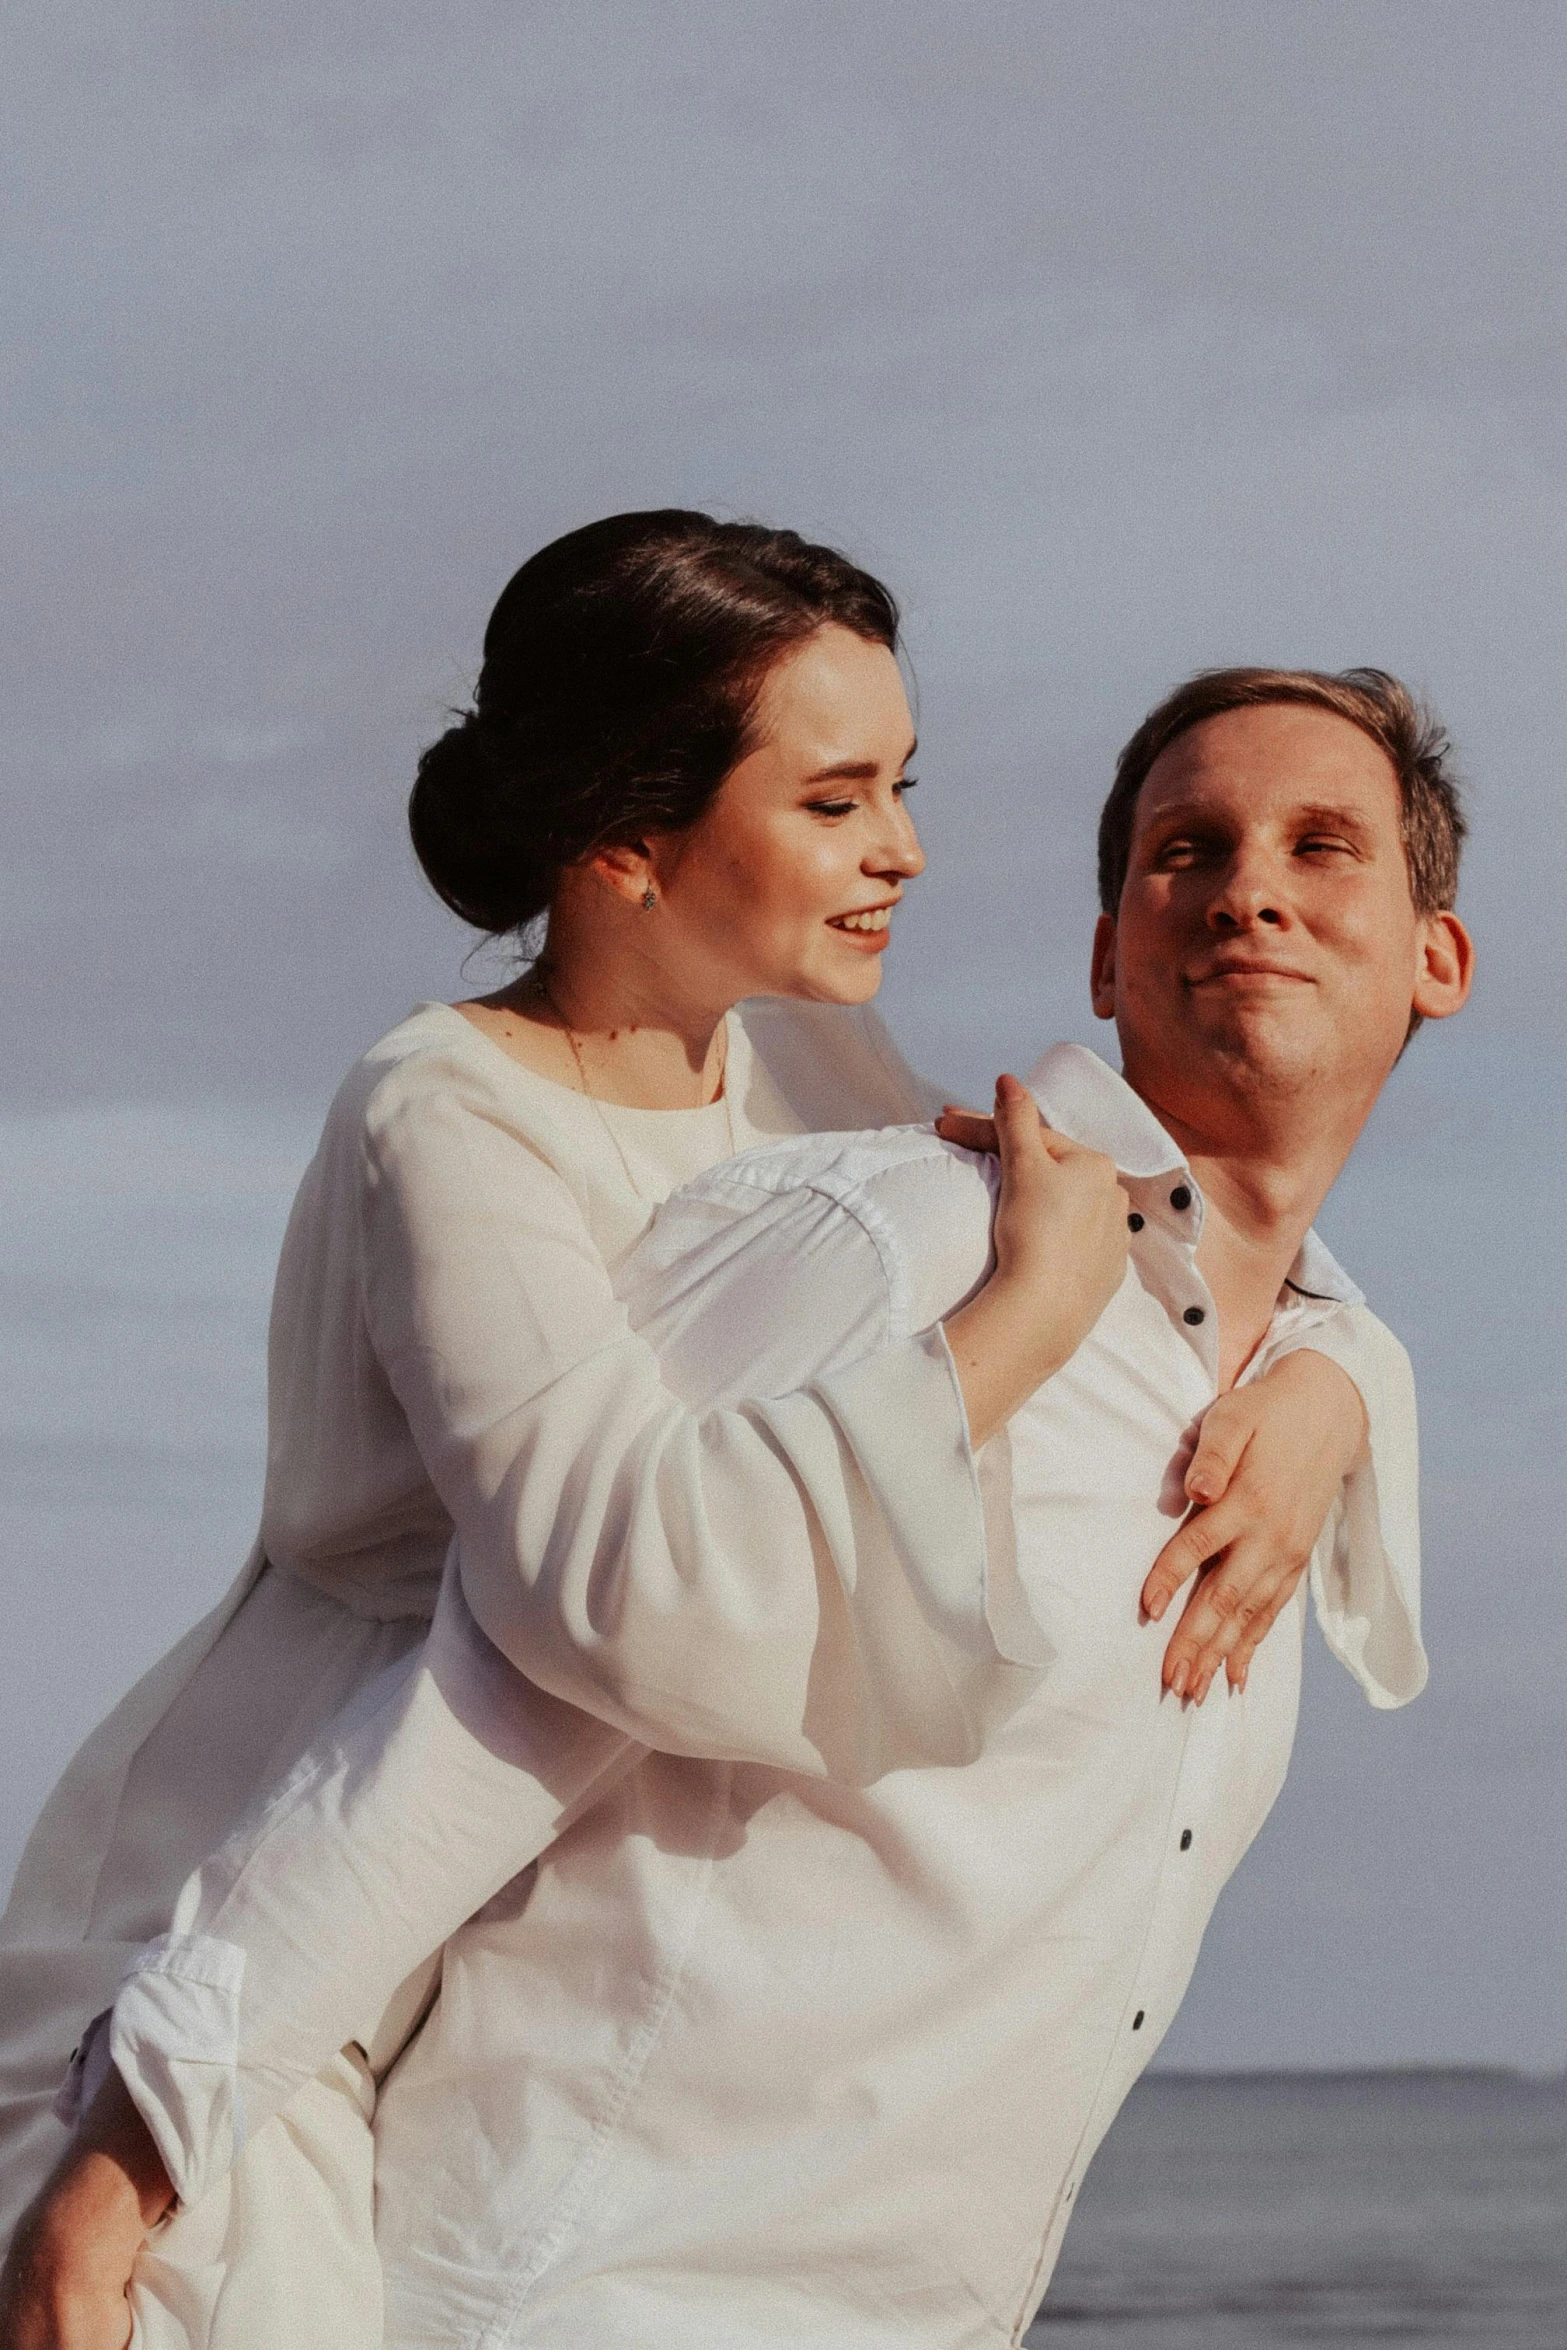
{"x":86,"y":2072}
{"x":174,"y":2040}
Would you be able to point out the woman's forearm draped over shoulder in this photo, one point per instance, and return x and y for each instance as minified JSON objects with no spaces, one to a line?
{"x":679,"y":1573}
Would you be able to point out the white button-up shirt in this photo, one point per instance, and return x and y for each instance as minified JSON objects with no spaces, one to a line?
{"x":756,"y":2058}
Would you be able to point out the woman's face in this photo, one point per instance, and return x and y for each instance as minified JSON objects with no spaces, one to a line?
{"x":786,"y":885}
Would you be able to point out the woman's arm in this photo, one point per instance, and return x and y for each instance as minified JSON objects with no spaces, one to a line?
{"x":688,"y":1575}
{"x":1060,"y":1238}
{"x":1270,"y":1461}
{"x":1313,"y":1465}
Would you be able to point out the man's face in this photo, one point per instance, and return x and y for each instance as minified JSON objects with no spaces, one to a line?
{"x":1266,"y":938}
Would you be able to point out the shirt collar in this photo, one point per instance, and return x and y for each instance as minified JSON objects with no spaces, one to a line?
{"x":1091,"y":1103}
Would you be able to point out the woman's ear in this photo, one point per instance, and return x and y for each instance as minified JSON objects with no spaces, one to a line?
{"x":623,"y":866}
{"x":1445,"y":972}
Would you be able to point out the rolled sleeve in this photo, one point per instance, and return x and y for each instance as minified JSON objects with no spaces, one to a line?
{"x":175,"y":2042}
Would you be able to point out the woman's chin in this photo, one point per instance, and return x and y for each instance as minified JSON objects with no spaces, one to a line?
{"x":850,"y":982}
{"x":819,"y":986}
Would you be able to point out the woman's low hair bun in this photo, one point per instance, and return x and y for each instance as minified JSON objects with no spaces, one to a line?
{"x":622,"y":667}
{"x":469,"y":830}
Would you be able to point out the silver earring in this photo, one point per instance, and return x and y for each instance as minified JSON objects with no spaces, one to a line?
{"x":649,"y":899}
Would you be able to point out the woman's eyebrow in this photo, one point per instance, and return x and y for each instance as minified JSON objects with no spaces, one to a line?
{"x":858,"y":770}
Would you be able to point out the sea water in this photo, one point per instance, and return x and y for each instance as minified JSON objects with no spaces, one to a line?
{"x":1240,"y":2211}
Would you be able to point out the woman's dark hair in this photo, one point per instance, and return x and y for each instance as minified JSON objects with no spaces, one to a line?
{"x":622,"y":668}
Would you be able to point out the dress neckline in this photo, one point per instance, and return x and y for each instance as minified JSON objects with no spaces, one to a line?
{"x":590,"y":1102}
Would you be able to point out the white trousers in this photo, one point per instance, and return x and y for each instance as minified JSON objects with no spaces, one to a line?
{"x":281,"y":2255}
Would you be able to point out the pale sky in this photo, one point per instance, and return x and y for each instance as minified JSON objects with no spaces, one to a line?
{"x":1122,"y":340}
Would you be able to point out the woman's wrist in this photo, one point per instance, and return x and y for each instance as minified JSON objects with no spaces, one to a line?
{"x":117,"y":2157}
{"x":1003,"y":1346}
{"x":1331,"y":1390}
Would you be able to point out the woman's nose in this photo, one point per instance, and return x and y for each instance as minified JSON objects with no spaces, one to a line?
{"x":900,"y":851}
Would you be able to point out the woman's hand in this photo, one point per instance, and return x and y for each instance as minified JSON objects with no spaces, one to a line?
{"x":1270,"y":1459}
{"x":66,"y":2281}
{"x":1060,"y":1238}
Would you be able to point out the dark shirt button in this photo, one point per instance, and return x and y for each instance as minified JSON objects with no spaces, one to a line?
{"x":1180,"y":1197}
{"x":1134,"y":1222}
{"x":1186,"y":1839}
{"x":1137,"y":2020}
{"x":1194,"y":1315}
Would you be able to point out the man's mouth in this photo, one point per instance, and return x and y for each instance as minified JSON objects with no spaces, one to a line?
{"x":1222,"y":972}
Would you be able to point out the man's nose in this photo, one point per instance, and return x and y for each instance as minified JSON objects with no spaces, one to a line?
{"x":1249,"y":895}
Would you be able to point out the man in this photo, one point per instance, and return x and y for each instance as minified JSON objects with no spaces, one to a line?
{"x":755,"y":2058}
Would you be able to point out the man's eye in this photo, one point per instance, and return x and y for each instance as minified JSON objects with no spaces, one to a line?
{"x":1323,"y":840}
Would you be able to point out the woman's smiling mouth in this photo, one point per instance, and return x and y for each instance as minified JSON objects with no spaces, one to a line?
{"x":871,"y":924}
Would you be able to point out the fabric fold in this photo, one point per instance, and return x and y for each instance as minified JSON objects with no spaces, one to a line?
{"x":1365,"y":1575}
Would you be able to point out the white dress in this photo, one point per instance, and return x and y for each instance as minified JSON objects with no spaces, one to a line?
{"x":444,"y":1346}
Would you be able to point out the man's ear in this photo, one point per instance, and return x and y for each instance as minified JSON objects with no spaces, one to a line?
{"x":1445,"y":971}
{"x":1101,"y":969}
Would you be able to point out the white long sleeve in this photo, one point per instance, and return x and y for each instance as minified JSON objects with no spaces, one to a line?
{"x":678,"y":1572}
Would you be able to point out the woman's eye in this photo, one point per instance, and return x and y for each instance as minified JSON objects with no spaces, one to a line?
{"x":831,"y":807}
{"x":905,"y":783}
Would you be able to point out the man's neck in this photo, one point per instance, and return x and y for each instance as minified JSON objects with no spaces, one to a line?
{"x":1245,"y":1254}
{"x":1264,"y":1171}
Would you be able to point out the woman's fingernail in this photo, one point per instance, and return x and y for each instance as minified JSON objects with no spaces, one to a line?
{"x":1180,"y":1677}
{"x":1156,"y":1606}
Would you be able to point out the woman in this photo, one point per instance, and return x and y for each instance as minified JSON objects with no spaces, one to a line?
{"x":688,"y":749}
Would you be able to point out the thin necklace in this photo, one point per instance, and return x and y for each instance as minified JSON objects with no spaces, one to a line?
{"x":540,"y":981}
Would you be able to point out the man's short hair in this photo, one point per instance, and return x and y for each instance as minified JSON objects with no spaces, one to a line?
{"x":1431,"y":814}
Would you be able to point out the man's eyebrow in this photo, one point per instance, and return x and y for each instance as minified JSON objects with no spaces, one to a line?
{"x":1329,"y":812}
{"x":858,"y":770}
{"x":1184,"y":812}
{"x":1325,"y":812}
